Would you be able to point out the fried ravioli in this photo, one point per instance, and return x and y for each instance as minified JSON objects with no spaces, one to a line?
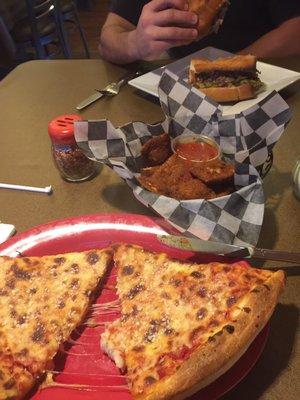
{"x":182,"y":179}
{"x":214,"y":172}
{"x":157,"y":150}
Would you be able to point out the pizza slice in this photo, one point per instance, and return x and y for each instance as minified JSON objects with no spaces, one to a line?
{"x":183,"y":324}
{"x":42,"y":300}
{"x":14,"y":378}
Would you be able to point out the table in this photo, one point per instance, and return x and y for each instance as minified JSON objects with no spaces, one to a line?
{"x":37,"y":91}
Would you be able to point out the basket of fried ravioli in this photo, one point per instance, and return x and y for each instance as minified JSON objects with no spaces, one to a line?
{"x":221,"y":199}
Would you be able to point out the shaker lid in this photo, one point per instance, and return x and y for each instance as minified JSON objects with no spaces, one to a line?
{"x":61,"y":129}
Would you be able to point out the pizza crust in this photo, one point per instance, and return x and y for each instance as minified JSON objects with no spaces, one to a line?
{"x":218,"y":355}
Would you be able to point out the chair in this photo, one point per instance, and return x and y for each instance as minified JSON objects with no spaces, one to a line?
{"x":7,"y":50}
{"x":67,"y":12}
{"x":39,"y":29}
{"x":7,"y":47}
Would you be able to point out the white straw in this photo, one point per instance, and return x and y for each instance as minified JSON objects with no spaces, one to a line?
{"x":47,"y":189}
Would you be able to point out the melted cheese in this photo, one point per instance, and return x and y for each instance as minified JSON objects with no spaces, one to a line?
{"x":42,"y":300}
{"x":169,"y":308}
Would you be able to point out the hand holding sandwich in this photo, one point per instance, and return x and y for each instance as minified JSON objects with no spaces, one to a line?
{"x":164,"y":24}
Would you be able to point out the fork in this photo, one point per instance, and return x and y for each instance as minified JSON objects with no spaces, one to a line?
{"x":110,"y":90}
{"x":113,"y":88}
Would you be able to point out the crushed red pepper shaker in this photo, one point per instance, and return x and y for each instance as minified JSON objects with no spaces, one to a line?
{"x":72,"y":164}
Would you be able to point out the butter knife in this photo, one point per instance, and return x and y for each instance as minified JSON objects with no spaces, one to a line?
{"x":229,"y":250}
{"x":100,"y":93}
{"x":89,"y":100}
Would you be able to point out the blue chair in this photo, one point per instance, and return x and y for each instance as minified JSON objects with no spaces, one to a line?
{"x":39,"y":29}
{"x":7,"y":47}
{"x":7,"y":50}
{"x":46,"y":24}
{"x":68,"y":14}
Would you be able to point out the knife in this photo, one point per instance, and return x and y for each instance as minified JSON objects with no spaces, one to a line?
{"x":100,"y":93}
{"x":89,"y":100}
{"x":229,"y":250}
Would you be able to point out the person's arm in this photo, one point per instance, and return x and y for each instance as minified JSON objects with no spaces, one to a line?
{"x":280,"y":42}
{"x":117,"y":40}
{"x":162,"y":24}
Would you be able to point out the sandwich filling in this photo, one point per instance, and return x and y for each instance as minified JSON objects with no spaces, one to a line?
{"x":220,"y":78}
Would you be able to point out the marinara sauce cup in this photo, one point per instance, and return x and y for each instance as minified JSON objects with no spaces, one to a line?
{"x":196,"y":148}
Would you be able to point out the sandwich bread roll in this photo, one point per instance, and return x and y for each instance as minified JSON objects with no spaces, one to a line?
{"x":226,"y":79}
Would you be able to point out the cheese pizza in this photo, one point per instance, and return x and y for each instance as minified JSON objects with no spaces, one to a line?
{"x":183,"y":324}
{"x":42,"y":300}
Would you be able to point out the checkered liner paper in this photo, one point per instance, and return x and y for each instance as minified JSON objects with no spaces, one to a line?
{"x":245,"y":139}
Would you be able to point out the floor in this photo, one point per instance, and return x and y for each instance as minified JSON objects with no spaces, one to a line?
{"x":91,"y":20}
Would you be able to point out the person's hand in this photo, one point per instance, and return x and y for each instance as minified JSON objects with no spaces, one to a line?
{"x":164,"y":24}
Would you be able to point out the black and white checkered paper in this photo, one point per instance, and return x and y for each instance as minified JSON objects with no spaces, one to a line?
{"x":245,"y":139}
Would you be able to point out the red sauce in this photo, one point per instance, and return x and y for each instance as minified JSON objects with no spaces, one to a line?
{"x":196,"y":151}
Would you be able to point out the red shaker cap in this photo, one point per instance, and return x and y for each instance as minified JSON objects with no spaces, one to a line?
{"x":61,"y":129}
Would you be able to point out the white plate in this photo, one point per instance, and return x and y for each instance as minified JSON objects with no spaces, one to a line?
{"x":275,"y":78}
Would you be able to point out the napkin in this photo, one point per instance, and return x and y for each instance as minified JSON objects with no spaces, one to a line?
{"x":246,"y":139}
{"x":6,"y":231}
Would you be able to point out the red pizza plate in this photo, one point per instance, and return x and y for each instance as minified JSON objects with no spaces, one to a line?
{"x":82,"y":364}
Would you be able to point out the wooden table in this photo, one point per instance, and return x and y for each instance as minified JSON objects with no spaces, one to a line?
{"x":37,"y":91}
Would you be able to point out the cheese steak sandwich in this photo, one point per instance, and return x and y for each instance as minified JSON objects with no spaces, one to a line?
{"x":42,"y":300}
{"x":226,"y":79}
{"x":183,"y":324}
{"x":211,"y":14}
